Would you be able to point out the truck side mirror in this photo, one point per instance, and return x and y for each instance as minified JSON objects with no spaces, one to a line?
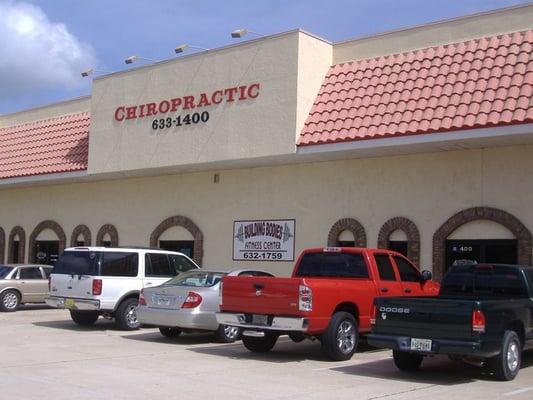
{"x":426,"y":276}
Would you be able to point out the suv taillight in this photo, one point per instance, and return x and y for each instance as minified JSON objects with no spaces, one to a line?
{"x":142,"y":300}
{"x":97,"y":287}
{"x":193,"y":300}
{"x":478,"y":321}
{"x":305,"y":298}
{"x":220,"y":294}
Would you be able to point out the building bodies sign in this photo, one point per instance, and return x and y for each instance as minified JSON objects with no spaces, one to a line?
{"x":263,"y":240}
{"x":185,"y":103}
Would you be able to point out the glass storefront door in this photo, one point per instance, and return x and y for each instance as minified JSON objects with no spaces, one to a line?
{"x":497,"y":251}
{"x":46,"y":252}
{"x":183,"y":246}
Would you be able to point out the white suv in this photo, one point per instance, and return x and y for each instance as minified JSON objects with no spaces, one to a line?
{"x":94,"y":281}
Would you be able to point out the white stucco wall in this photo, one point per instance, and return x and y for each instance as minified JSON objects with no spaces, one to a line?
{"x":426,"y":188}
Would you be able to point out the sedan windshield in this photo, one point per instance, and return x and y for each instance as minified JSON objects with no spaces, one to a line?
{"x":196,"y":279}
{"x":4,"y":271}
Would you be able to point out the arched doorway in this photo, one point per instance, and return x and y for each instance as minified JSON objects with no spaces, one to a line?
{"x":347,"y":231}
{"x":81,"y":236}
{"x":47,"y":242}
{"x":107,"y":236}
{"x":2,"y":244}
{"x":16,"y":245}
{"x":179,"y":233}
{"x":401,"y":234}
{"x":482,"y":234}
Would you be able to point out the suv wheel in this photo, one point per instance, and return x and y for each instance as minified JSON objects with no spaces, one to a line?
{"x":227,"y":334}
{"x":506,"y":365}
{"x":84,"y":318}
{"x":170,"y":332}
{"x":260,"y":344}
{"x":341,"y":337}
{"x":407,"y":361}
{"x":9,"y":301}
{"x":126,"y":315}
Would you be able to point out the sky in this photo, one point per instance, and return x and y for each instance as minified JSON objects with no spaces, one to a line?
{"x":46,"y":44}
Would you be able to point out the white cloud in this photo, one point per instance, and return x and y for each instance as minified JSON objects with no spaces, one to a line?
{"x":36,"y":53}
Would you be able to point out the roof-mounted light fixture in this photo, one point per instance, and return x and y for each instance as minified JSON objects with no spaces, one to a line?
{"x":91,"y":71}
{"x":132,"y":59}
{"x":239,"y":33}
{"x":182,"y":47}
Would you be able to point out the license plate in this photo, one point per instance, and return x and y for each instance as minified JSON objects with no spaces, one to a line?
{"x":162,"y":300}
{"x":259,"y":319}
{"x":70,"y":303}
{"x":421,"y":344}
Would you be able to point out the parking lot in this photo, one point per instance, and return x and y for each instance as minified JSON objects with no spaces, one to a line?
{"x":45,"y":356}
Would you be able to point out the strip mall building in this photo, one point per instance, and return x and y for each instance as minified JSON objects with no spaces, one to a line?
{"x":419,"y":140}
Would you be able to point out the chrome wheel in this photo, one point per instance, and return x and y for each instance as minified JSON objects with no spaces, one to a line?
{"x":513,"y":356}
{"x":231,"y":332}
{"x":346,"y":337}
{"x":10,"y":301}
{"x":131,"y":316}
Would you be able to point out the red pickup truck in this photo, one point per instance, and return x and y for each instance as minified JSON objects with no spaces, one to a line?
{"x":329,"y":297}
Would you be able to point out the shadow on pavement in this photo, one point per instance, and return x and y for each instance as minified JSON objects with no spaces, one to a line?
{"x":188,"y":339}
{"x":284,"y":351}
{"x":438,"y":370}
{"x":68,"y":324}
{"x":34,"y":307}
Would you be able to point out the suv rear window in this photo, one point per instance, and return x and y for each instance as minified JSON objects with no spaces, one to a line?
{"x":340,"y":265}
{"x":77,"y":263}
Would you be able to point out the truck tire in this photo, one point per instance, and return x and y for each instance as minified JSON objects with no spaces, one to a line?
{"x":260,"y":344}
{"x":506,"y":365}
{"x":407,"y":361}
{"x":126,"y":315}
{"x":84,"y":318}
{"x":341,"y":337}
{"x":170,"y":332}
{"x":9,"y":301}
{"x":227,"y":334}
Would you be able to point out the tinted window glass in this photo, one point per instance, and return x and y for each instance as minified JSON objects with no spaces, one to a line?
{"x":484,"y":281}
{"x":196,"y":278}
{"x":345,"y":265}
{"x":30,"y":273}
{"x":179,"y":264}
{"x":408,"y":273}
{"x":119,"y":264}
{"x":77,"y":263}
{"x":4,"y":271}
{"x":255,"y":273}
{"x":47,"y":271}
{"x":158,"y":265}
{"x":529,"y":273}
{"x":385,"y":269}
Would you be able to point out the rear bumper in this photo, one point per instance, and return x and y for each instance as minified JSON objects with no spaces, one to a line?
{"x":286,"y":324}
{"x":177,"y":318}
{"x":73,"y":303}
{"x":479,"y":348}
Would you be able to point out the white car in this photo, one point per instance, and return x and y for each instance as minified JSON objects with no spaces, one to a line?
{"x":94,"y":281}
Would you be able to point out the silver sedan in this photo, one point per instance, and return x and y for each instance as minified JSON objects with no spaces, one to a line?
{"x":188,"y":303}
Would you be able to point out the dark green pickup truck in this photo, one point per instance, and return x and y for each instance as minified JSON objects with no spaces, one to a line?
{"x":483,"y":313}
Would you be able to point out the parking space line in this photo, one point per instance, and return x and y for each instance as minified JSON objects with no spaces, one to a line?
{"x":519,"y":391}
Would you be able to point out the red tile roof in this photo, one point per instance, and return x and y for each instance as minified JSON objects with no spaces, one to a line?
{"x":49,"y":146}
{"x":479,"y":83}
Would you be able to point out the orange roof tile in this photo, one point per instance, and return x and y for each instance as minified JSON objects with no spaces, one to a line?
{"x":479,"y":83}
{"x":53,"y":145}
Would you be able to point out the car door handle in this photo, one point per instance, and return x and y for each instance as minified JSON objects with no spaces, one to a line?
{"x":259,"y":286}
{"x":384,"y":289}
{"x":407,"y":290}
{"x":149,"y":283}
